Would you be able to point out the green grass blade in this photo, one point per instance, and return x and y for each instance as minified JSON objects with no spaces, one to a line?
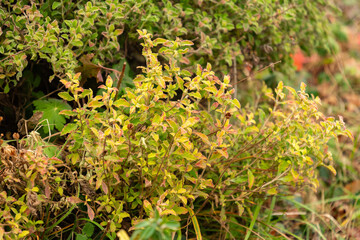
{"x":60,"y":220}
{"x":272,"y":205}
{"x":256,"y":213}
{"x":316,"y":229}
{"x":195,"y":223}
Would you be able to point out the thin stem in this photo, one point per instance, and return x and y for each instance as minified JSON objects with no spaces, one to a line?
{"x":120,"y":79}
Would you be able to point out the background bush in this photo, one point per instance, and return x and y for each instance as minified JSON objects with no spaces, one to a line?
{"x":254,"y":33}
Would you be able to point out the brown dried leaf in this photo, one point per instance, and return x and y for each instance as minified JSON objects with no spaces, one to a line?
{"x":74,"y":200}
{"x":91,"y":213}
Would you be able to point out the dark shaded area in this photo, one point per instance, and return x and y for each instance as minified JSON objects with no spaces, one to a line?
{"x":16,"y":104}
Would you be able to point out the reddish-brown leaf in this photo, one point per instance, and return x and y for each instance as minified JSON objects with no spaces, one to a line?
{"x":91,"y":213}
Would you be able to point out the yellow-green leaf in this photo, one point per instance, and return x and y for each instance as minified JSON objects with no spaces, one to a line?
{"x":68,"y":113}
{"x":180,"y":210}
{"x":250,"y":179}
{"x":66,"y":96}
{"x":109,"y":82}
{"x":168,"y":212}
{"x":23,"y":234}
{"x":302,"y":86}
{"x":121,"y":103}
{"x":68,"y":128}
{"x":147,"y":206}
{"x":190,"y":121}
{"x":272,"y":191}
{"x":203,"y":137}
{"x":186,"y":43}
{"x":60,"y":191}
{"x":331,"y":168}
{"x":96,"y":104}
{"x":237,"y":103}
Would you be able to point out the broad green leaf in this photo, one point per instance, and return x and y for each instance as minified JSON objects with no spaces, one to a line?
{"x":81,"y":237}
{"x":88,"y":229}
{"x":51,"y":113}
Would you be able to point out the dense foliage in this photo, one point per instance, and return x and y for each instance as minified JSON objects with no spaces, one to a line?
{"x":248,"y":34}
{"x":125,"y":157}
{"x":163,"y":148}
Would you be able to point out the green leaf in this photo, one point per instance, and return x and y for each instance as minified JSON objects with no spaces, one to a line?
{"x":253,"y":220}
{"x":68,"y":128}
{"x":50,"y":150}
{"x":88,"y":229}
{"x":147,"y":232}
{"x":7,"y":88}
{"x":172,"y":225}
{"x":186,"y":43}
{"x":237,"y":103}
{"x":81,"y":237}
{"x":51,"y":113}
{"x":180,"y":210}
{"x":272,"y":191}
{"x":190,"y":122}
{"x":77,"y":43}
{"x":121,"y":103}
{"x":124,"y":215}
{"x":66,"y":96}
{"x":55,"y":5}
{"x":95,"y":104}
{"x":159,"y":41}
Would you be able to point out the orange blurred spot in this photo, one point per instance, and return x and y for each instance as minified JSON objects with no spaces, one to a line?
{"x":299,"y":59}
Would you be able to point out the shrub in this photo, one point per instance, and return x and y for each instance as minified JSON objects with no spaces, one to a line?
{"x":64,"y":34}
{"x":125,"y":157}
